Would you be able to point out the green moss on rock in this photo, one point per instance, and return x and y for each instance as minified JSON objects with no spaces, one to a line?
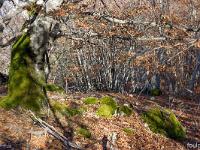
{"x":107,"y":107}
{"x":164,"y":121}
{"x":90,"y":100}
{"x":25,"y":85}
{"x":54,"y":88}
{"x":107,"y":100}
{"x":84,"y":132}
{"x":105,"y":111}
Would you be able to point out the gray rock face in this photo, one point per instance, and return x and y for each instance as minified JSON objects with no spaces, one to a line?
{"x":1,"y":27}
{"x":10,"y":8}
{"x":12,"y":18}
{"x":4,"y":59}
{"x":53,"y":5}
{"x":6,"y":7}
{"x":14,"y":26}
{"x":1,"y":2}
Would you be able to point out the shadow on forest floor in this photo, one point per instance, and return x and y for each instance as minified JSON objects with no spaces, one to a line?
{"x":11,"y":144}
{"x":69,"y":130}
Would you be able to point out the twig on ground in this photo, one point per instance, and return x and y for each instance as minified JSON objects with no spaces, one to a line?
{"x":51,"y":130}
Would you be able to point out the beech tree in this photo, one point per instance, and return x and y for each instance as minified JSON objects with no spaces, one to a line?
{"x":27,"y":78}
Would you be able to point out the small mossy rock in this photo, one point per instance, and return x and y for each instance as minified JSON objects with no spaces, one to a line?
{"x":126,"y":110}
{"x":54,"y":88}
{"x":90,"y":100}
{"x":84,"y":132}
{"x":155,"y":92}
{"x":105,"y":111}
{"x":65,"y":110}
{"x":107,"y":108}
{"x":128,"y":131}
{"x":107,"y":100}
{"x":164,"y":121}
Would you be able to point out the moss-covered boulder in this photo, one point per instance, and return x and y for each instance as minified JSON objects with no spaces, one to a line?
{"x":107,"y":100}
{"x":25,"y":87}
{"x":90,"y":100}
{"x":164,"y":121}
{"x":107,"y":108}
{"x":105,"y":111}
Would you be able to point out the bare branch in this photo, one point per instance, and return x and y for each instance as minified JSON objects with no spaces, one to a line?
{"x":51,"y":130}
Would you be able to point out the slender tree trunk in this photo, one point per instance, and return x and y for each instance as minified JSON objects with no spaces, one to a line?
{"x":26,"y":74}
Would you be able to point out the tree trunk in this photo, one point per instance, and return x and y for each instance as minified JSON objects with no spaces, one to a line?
{"x":26,"y":74}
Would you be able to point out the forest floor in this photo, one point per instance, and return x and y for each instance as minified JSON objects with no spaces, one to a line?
{"x":18,"y":130}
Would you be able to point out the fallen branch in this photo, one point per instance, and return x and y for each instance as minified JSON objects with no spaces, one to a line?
{"x":51,"y":130}
{"x":120,"y":21}
{"x":92,"y":34}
